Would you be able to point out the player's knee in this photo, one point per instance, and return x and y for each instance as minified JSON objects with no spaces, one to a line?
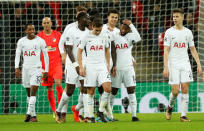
{"x":175,"y":93}
{"x":131,"y":90}
{"x":58,"y":84}
{"x":84,"y":90}
{"x":49,"y":88}
{"x":90,"y":91}
{"x":184,"y":91}
{"x":114,"y":91}
{"x":100,"y":90}
{"x":70,"y":90}
{"x":108,"y":90}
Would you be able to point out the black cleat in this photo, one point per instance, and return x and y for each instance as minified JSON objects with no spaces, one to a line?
{"x":134,"y":119}
{"x":27,"y":118}
{"x":91,"y":120}
{"x":101,"y":116}
{"x":184,"y":119}
{"x":113,"y":120}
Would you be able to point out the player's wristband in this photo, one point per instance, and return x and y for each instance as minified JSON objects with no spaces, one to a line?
{"x":75,"y":64}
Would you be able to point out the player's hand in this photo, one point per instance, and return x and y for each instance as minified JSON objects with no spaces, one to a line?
{"x":82,"y":71}
{"x":77,"y":70}
{"x":18,"y":73}
{"x":45,"y":76}
{"x":134,"y":63}
{"x":166,"y":72}
{"x":127,"y":22}
{"x":113,"y":71}
{"x":63,"y":58}
{"x":199,"y":70}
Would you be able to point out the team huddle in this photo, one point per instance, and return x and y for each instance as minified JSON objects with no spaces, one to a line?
{"x":97,"y":55}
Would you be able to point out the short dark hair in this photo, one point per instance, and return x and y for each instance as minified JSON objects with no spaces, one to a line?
{"x":114,"y":11}
{"x":97,"y":22}
{"x":81,"y":15}
{"x":93,"y":13}
{"x":26,"y":26}
{"x":178,"y":10}
{"x":81,"y":8}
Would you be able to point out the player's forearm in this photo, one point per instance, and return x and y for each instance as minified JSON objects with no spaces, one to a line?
{"x":79,"y":57}
{"x":166,"y":56}
{"x":69,"y":52}
{"x":61,"y":45}
{"x":195,"y":55}
{"x":135,"y":31}
{"x":17,"y":58}
{"x":113,"y":53}
{"x":46,"y":58}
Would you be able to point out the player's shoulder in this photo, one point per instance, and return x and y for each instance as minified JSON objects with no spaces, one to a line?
{"x":40,"y":33}
{"x":21,"y":40}
{"x":187,"y":30}
{"x":40,"y":39}
{"x":116,"y":30}
{"x":170,"y":30}
{"x":56,"y":32}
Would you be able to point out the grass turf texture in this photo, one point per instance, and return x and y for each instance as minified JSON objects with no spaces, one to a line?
{"x":148,"y":122}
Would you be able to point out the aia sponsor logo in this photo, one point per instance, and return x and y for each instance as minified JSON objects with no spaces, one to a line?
{"x":179,"y":45}
{"x":29,"y":53}
{"x":96,"y":48}
{"x":121,"y":46}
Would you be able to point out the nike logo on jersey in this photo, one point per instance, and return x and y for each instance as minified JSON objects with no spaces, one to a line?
{"x":121,"y":46}
{"x":179,"y":45}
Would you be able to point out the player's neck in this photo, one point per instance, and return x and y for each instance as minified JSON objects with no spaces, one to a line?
{"x":81,"y":27}
{"x":111,"y":26}
{"x":30,"y":37}
{"x":48,"y":32}
{"x":179,"y":27}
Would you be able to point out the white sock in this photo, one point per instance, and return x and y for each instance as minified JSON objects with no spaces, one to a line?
{"x":112,"y":97}
{"x":64,"y":100}
{"x":172,"y":100}
{"x":64,"y":108}
{"x":27,"y":100}
{"x":31,"y":106}
{"x":108,"y":110}
{"x":104,"y":101}
{"x":184,"y":104}
{"x":133,"y":104}
{"x":90,"y":105}
{"x":85,"y":102}
{"x":81,"y":111}
{"x":80,"y":102}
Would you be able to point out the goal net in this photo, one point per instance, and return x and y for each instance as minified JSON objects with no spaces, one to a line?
{"x":151,"y":17}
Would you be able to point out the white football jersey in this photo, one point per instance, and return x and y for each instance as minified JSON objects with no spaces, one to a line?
{"x":73,"y":37}
{"x":124,"y":46}
{"x":31,"y":51}
{"x":178,"y":41}
{"x":110,"y":36}
{"x":95,"y":48}
{"x":63,"y":36}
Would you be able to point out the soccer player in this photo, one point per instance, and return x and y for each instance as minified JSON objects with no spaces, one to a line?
{"x":97,"y":67}
{"x":52,"y":38}
{"x":125,"y":73}
{"x":74,"y":35}
{"x":63,"y":37}
{"x":31,"y":47}
{"x":176,"y":62}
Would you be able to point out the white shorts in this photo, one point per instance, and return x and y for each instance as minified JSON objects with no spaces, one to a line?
{"x":71,"y":76}
{"x":96,"y":76}
{"x":31,"y":77}
{"x":180,"y":74}
{"x":126,"y":76}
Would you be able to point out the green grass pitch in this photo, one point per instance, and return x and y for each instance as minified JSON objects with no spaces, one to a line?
{"x":148,"y":122}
